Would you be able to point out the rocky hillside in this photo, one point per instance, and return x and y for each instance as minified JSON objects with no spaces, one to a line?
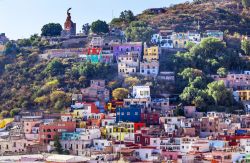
{"x":211,"y":14}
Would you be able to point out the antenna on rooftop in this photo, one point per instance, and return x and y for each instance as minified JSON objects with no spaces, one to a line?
{"x":198,"y":25}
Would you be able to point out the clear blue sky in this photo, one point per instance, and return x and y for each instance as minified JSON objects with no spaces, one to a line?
{"x":21,"y":18}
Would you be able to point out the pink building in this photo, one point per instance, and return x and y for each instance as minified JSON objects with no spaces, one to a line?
{"x":96,"y":92}
{"x":236,"y":81}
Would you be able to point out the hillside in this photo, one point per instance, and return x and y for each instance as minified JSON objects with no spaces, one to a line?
{"x":213,"y":14}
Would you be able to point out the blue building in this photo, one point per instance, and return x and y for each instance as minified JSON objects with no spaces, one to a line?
{"x":131,"y":114}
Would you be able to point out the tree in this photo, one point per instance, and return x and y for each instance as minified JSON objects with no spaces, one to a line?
{"x":127,"y":16}
{"x":211,"y":47}
{"x":99,"y":27}
{"x":11,"y":48}
{"x":139,"y":31}
{"x":51,"y":85}
{"x":57,"y":95}
{"x":57,"y":145}
{"x":51,"y":29}
{"x":219,"y":93}
{"x":222,"y":72}
{"x":116,"y":22}
{"x":55,"y":67}
{"x":14,"y":111}
{"x":43,"y":100}
{"x":189,"y":45}
{"x":4,"y":114}
{"x":86,"y":28}
{"x":120,"y":93}
{"x":245,"y":46}
{"x":246,"y":3}
{"x":190,"y":74}
{"x":131,"y":81}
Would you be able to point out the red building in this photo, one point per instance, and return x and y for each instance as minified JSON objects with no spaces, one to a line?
{"x":47,"y":132}
{"x":142,"y":139}
{"x":138,"y":126}
{"x":92,"y":51}
{"x":150,"y":118}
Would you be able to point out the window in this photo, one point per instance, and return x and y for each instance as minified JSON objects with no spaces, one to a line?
{"x":138,"y":138}
{"x":128,"y":113}
{"x":146,"y":155}
{"x":136,"y":113}
{"x":14,"y":144}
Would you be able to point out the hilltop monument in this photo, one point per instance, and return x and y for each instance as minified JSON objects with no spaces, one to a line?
{"x":69,"y":26}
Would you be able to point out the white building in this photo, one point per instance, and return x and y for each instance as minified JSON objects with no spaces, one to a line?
{"x":108,"y":121}
{"x":100,"y":144}
{"x":149,"y":68}
{"x":141,"y":92}
{"x":128,"y":64}
{"x":96,"y":42}
{"x":194,"y":37}
{"x":245,"y":144}
{"x":147,"y":154}
{"x":163,"y":39}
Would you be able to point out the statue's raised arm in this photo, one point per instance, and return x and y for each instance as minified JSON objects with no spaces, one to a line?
{"x":68,"y":11}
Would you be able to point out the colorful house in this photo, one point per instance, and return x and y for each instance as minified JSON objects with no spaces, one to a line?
{"x":97,"y":92}
{"x":149,"y":68}
{"x":81,"y":109}
{"x":47,"y":132}
{"x":150,"y":118}
{"x":97,"y":42}
{"x":128,"y":64}
{"x":163,"y":39}
{"x":118,"y":132}
{"x":113,"y":104}
{"x":141,"y":92}
{"x":131,"y":114}
{"x":214,"y":33}
{"x":121,"y":49}
{"x":180,"y":39}
{"x":93,"y":55}
{"x":151,"y":53}
{"x":242,"y":95}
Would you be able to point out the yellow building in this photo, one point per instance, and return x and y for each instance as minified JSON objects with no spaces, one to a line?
{"x":78,"y":113}
{"x":118,"y":132}
{"x":244,"y":95}
{"x":180,"y":40}
{"x":151,"y":53}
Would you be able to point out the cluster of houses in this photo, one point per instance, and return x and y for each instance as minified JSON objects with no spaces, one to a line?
{"x":179,"y":40}
{"x":138,"y":129}
{"x":239,"y":84}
